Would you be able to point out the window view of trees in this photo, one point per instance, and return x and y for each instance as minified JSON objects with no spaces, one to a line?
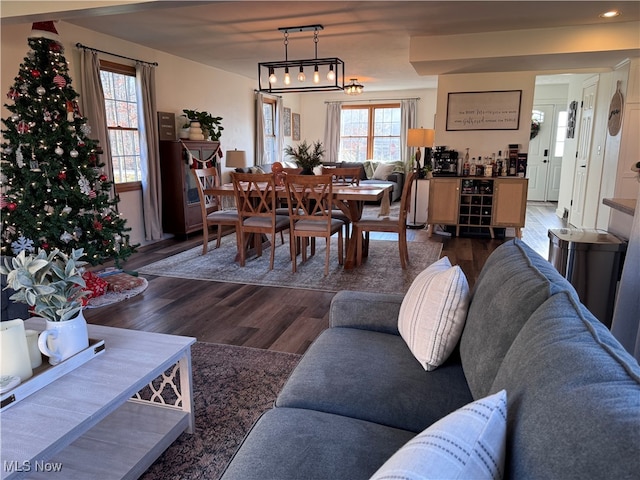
{"x":370,"y":132}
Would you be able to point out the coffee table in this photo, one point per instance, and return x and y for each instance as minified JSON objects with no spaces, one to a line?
{"x":87,"y":425}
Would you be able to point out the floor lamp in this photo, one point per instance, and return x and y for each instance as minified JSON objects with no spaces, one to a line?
{"x":418,"y":137}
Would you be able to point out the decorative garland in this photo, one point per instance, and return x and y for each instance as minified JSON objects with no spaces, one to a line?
{"x":535,"y":129}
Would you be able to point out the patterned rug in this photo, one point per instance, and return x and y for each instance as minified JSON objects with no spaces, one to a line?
{"x":232,"y":386}
{"x":381,"y":272}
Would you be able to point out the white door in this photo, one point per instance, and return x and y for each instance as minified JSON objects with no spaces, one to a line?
{"x":576,"y":216}
{"x":540,"y":153}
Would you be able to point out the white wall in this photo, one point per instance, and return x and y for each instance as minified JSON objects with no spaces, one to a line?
{"x":626,"y":147}
{"x":485,"y":142}
{"x":179,"y":84}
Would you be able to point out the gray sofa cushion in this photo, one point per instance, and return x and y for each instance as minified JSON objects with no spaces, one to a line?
{"x":573,"y":398}
{"x":514,"y":282}
{"x":295,"y":444}
{"x":366,"y":310}
{"x":373,"y":376}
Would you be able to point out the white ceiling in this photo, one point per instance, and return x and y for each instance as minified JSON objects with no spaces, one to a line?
{"x":373,"y":37}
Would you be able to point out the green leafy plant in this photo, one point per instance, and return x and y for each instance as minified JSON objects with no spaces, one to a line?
{"x":207,"y":122}
{"x":306,"y":156}
{"x":52,"y":284}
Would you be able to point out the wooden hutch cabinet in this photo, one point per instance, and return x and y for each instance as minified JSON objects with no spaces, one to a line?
{"x":478,"y":204}
{"x":181,"y":213}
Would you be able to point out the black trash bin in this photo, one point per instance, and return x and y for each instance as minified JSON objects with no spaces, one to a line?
{"x":592,"y":261}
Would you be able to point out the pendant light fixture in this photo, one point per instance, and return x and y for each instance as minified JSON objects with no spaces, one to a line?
{"x":353,"y":87}
{"x":328,"y":73}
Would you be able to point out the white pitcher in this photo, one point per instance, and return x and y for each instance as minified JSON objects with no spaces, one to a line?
{"x":62,"y":340}
{"x":14,"y":354}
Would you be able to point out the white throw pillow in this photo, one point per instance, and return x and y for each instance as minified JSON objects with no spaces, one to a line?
{"x":433,"y":313}
{"x":383,"y":170}
{"x":468,"y":443}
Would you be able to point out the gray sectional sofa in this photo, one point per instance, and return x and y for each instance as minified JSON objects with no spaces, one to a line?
{"x":358,"y":394}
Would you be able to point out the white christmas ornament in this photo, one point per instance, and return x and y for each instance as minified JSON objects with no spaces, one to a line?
{"x":59,"y":151}
{"x":41,"y":90}
{"x":66,"y":237}
{"x":22,"y":244}
{"x":66,"y":210}
{"x":85,"y":186}
{"x":73,"y":153}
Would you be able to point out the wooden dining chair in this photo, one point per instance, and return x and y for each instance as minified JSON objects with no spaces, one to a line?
{"x":395,"y":225}
{"x":345,"y":175}
{"x":256,"y":200}
{"x":310,"y":198}
{"x":211,"y":207}
{"x":350,"y":175}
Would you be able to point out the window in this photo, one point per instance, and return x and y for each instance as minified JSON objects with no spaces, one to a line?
{"x":561,"y":133}
{"x":370,"y":132}
{"x":121,"y":104}
{"x":269,"y":115}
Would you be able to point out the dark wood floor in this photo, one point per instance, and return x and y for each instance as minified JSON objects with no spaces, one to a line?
{"x":274,"y":318}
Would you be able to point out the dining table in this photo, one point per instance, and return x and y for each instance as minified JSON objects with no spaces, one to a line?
{"x":349,"y":198}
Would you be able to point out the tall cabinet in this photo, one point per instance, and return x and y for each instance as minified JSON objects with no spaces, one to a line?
{"x":478,"y":204}
{"x":181,"y":213}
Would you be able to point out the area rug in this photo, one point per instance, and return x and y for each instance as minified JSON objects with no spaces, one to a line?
{"x":232,"y":386}
{"x":381,"y":272}
{"x":110,"y":297}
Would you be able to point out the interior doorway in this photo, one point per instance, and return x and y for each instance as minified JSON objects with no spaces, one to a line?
{"x":544,"y":163}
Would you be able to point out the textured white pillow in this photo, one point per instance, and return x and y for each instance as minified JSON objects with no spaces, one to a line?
{"x":383,"y":170}
{"x":433,"y":313}
{"x":468,"y":443}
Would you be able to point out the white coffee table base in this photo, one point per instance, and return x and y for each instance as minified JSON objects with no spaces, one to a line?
{"x":87,"y":425}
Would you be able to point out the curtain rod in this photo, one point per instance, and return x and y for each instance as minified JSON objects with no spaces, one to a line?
{"x":372,"y":100}
{"x":79,"y":45}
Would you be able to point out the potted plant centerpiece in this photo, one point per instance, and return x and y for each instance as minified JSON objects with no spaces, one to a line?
{"x":53,"y":286}
{"x":306,"y":156}
{"x":211,"y":126}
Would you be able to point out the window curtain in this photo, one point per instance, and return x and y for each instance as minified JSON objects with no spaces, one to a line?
{"x":332,"y":131}
{"x":279,"y":129}
{"x":91,"y":103}
{"x":260,"y":140}
{"x":407,"y":120}
{"x":150,"y":155}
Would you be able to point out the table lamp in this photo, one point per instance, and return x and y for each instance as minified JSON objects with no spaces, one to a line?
{"x":236,"y":159}
{"x":420,"y":137}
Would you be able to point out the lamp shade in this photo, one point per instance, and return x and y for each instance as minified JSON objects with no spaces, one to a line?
{"x":420,"y":137}
{"x":236,"y":159}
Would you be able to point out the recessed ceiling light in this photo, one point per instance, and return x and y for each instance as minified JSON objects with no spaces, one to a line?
{"x":610,"y":14}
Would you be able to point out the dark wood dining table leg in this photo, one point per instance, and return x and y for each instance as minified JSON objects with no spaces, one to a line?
{"x":251,"y":245}
{"x":354,"y":210}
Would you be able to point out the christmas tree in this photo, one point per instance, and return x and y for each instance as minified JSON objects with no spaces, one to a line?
{"x":54,"y":190}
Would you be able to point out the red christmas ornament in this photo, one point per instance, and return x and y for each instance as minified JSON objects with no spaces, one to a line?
{"x":97,"y":225}
{"x":92,"y":194}
{"x":59,"y":81}
{"x":92,"y":159}
{"x":55,"y":47}
{"x":13,"y":94}
{"x":23,"y":127}
{"x":45,"y":245}
{"x":107,"y":218}
{"x":62,"y":176}
{"x":11,"y":206}
{"x":103,"y":178}
{"x":35,"y":73}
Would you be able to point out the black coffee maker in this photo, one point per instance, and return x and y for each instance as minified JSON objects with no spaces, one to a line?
{"x":445,"y":162}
